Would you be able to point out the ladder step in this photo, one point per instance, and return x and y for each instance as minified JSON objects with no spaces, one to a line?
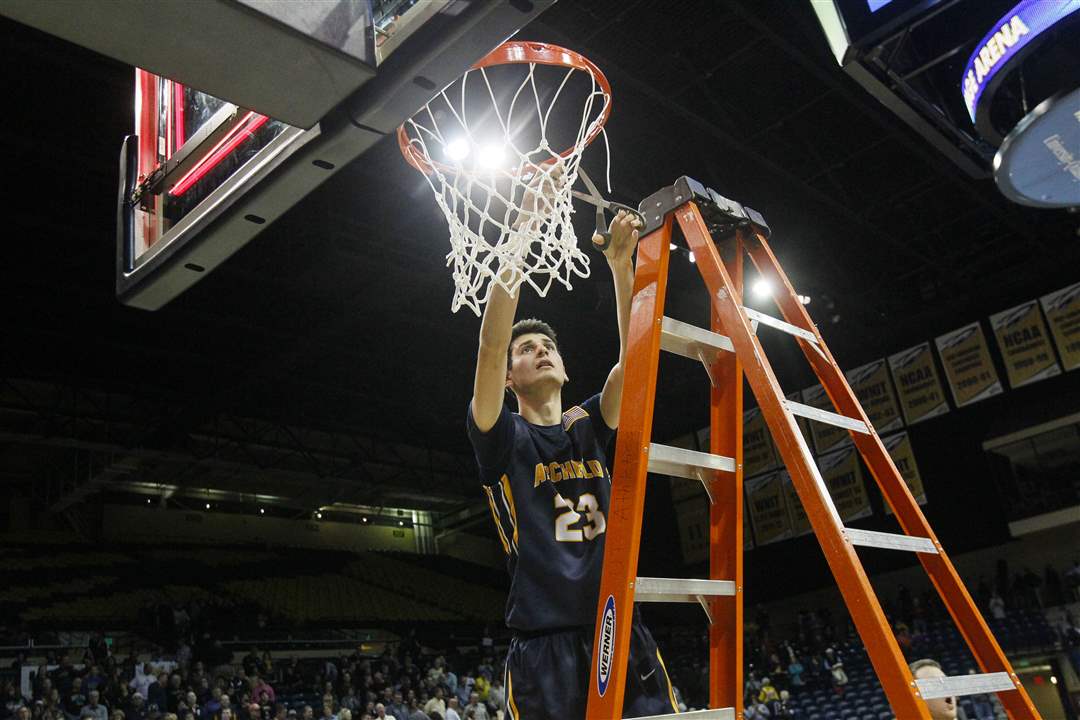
{"x":890,"y":541}
{"x":691,"y":341}
{"x":780,"y":325}
{"x":717,"y":714}
{"x":650,"y":589}
{"x":667,"y":460}
{"x":829,"y":418}
{"x":959,"y":685}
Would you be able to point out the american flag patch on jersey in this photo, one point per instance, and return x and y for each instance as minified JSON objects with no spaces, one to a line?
{"x":572,"y":415}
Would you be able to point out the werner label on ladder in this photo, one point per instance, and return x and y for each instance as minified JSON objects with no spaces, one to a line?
{"x":730,"y":349}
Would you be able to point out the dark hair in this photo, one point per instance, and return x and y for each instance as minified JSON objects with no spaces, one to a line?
{"x":525,"y":327}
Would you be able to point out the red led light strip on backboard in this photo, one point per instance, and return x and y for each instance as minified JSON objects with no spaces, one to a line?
{"x":178,"y":113}
{"x":243,"y":130}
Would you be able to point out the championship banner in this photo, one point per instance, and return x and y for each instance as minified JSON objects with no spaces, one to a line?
{"x":843,"y":476}
{"x":826,"y":437}
{"x":768,"y":508}
{"x":899,"y":448}
{"x":1062,"y":310}
{"x":747,"y":535}
{"x":803,"y":423}
{"x":873,"y":388}
{"x":968,"y":366}
{"x":917,"y":384}
{"x":1022,"y":339}
{"x":800,"y":523}
{"x":759,"y":455}
{"x":692,"y":517}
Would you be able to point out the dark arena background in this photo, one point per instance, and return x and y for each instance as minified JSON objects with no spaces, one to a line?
{"x":236,"y":485}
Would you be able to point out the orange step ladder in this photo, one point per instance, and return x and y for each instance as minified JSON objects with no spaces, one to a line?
{"x":728,"y":350}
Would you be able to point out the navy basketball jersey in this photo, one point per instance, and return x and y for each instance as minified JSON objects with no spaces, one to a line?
{"x":548,"y":488}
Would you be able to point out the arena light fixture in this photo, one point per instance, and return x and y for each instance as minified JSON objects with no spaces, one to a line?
{"x":207,"y":506}
{"x":262,"y":511}
{"x":457,"y":149}
{"x":692,"y":260}
{"x":492,"y":155}
{"x":761,"y":288}
{"x":401,"y":523}
{"x":318,"y":515}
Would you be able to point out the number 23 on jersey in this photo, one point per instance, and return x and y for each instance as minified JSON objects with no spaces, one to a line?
{"x":567,"y":516}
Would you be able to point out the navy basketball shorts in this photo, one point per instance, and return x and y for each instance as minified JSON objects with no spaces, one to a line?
{"x":547,"y":676}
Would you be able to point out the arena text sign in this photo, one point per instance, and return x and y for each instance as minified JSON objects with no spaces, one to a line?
{"x":1010,"y":35}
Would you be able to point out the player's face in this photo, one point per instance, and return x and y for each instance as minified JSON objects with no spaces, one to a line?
{"x":940,"y":708}
{"x":535,"y":363}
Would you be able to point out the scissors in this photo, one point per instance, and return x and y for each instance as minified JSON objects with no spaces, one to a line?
{"x":593,"y":197}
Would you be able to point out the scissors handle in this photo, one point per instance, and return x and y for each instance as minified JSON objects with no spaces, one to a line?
{"x":601,"y":226}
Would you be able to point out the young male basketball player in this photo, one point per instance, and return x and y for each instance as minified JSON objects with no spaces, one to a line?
{"x":544,"y":471}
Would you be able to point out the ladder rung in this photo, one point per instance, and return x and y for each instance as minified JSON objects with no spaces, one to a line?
{"x":890,"y":541}
{"x":690,"y":340}
{"x":651,"y":589}
{"x":959,"y":685}
{"x":780,"y":325}
{"x":668,"y":460}
{"x":829,"y":418}
{"x":717,"y":714}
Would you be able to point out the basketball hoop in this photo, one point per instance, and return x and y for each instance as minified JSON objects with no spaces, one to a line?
{"x":505,"y":191}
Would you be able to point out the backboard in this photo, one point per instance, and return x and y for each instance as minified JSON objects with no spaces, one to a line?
{"x":245,"y":106}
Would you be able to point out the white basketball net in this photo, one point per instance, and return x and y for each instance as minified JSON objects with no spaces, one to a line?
{"x":509,"y":216}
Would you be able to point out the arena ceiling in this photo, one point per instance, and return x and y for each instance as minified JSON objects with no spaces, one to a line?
{"x":322,"y":364}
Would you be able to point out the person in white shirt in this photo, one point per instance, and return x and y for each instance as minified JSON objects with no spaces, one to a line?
{"x":144,"y":675}
{"x":436,"y":704}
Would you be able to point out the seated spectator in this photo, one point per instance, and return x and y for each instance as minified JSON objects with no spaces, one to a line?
{"x":795,"y":673}
{"x":838,"y":676}
{"x":475,"y":708}
{"x":136,"y":708}
{"x":497,"y":695}
{"x":436,"y":704}
{"x":93,"y":709}
{"x":767,"y":692}
{"x":398,"y":709}
{"x":903,"y":637}
{"x":757,"y":711}
{"x":415,"y":713}
{"x":997,"y":607}
{"x":155,"y":692}
{"x":75,"y":700}
{"x":452,"y":708}
{"x":261,"y":689}
{"x":190,"y":704}
{"x":212,"y":707}
{"x":780,"y":709}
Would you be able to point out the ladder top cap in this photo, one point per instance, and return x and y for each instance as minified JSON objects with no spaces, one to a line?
{"x":721,"y":214}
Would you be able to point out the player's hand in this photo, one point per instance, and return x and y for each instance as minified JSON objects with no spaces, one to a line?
{"x":540,"y":193}
{"x":624,"y":229}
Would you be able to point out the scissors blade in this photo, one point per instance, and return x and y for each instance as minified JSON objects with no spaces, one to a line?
{"x":591,"y":199}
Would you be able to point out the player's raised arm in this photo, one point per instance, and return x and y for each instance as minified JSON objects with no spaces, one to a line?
{"x":620,"y":257}
{"x":489,"y":384}
{"x":490,"y":381}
